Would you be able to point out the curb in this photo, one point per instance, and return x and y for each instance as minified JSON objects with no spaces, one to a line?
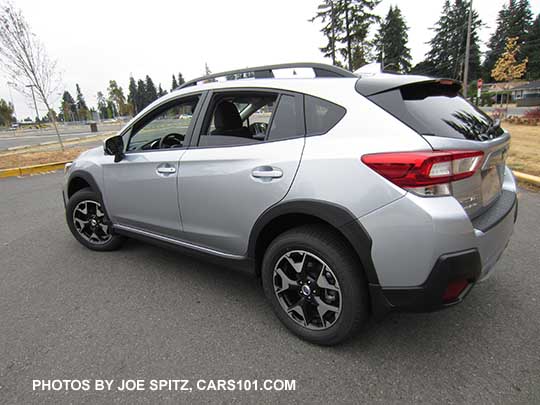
{"x":26,"y":170}
{"x":528,"y":178}
{"x":13,"y":148}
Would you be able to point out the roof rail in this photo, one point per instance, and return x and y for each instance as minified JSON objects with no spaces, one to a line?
{"x":266,"y":72}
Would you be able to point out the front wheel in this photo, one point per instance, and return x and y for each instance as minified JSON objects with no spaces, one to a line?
{"x":88,"y":222}
{"x":315,"y":284}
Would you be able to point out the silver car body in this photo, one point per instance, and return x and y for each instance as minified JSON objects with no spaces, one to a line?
{"x":211,"y":201}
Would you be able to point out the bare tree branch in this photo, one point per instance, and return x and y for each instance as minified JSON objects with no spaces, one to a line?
{"x":25,"y":61}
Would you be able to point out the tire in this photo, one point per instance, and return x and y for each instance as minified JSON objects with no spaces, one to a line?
{"x":86,"y":217}
{"x":330,"y":313}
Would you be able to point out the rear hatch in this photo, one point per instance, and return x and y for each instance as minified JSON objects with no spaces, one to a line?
{"x":436,"y":110}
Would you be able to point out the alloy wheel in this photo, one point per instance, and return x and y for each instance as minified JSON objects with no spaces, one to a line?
{"x":89,"y":221}
{"x":307,"y":289}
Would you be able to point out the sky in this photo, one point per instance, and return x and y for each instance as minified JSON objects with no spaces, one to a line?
{"x":97,"y":40}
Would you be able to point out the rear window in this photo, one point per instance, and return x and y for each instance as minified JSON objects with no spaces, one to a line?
{"x":437,"y":109}
{"x":321,"y":115}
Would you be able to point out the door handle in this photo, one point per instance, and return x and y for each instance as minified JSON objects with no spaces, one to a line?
{"x":166,"y":169}
{"x":267,"y":172}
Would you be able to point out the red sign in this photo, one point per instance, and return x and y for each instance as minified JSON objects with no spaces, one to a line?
{"x":479,"y":83}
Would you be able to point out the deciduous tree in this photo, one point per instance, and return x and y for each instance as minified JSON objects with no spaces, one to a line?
{"x":25,"y":61}
{"x":116,"y":96}
{"x":508,"y":68}
{"x":514,"y":20}
{"x":102,"y":105}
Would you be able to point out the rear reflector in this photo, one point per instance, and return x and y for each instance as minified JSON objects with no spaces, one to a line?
{"x":421,"y":169}
{"x":454,"y":289}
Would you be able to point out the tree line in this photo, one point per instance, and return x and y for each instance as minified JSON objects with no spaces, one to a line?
{"x":114,"y":102}
{"x":346,"y":25}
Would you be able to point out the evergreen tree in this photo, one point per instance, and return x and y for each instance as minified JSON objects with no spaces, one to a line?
{"x":82,"y":108}
{"x":391,"y":42}
{"x":333,"y":26}
{"x":6,"y":113}
{"x":141,"y":90}
{"x":161,"y":92}
{"x":346,"y":27}
{"x":531,"y":49}
{"x":513,"y":21}
{"x":132,"y":96}
{"x":447,"y":53}
{"x":181,"y":80}
{"x":358,"y":20}
{"x":174,"y":84}
{"x":69,"y":107}
{"x":150,"y":93}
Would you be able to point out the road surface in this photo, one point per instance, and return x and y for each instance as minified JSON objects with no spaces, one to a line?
{"x":9,"y":139}
{"x":148,"y":313}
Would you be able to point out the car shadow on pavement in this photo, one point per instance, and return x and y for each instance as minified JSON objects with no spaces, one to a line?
{"x":471,"y":323}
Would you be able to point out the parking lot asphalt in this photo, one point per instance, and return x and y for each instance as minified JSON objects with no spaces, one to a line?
{"x":148,"y":313}
{"x":9,"y":139}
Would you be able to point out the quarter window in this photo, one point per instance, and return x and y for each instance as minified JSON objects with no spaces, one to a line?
{"x":321,"y":115}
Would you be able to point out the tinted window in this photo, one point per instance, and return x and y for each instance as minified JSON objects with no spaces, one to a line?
{"x":284,"y":124}
{"x":164,"y":127}
{"x":321,"y":115}
{"x":437,"y":109}
{"x":238,"y":119}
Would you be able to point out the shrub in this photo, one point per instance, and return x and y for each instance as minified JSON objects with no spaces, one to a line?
{"x":532,"y":113}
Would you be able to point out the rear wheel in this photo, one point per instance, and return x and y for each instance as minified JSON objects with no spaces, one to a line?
{"x":315,"y":284}
{"x":88,"y":222}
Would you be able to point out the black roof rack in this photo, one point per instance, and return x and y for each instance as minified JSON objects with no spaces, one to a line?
{"x":265,"y":72}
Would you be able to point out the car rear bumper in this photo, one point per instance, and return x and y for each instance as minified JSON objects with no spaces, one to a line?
{"x":421,"y":245}
{"x":453,"y":267}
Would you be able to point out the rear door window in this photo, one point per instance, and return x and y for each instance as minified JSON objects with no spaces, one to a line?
{"x":438,"y":109}
{"x":286,"y":119}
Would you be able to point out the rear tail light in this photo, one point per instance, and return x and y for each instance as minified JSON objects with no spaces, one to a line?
{"x":425,"y":173}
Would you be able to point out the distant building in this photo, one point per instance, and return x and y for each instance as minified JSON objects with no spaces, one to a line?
{"x":527,"y":95}
{"x":499,"y":90}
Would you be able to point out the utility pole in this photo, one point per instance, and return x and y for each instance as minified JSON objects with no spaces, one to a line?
{"x":34,"y":97}
{"x":467,"y":51}
{"x":333,"y":19}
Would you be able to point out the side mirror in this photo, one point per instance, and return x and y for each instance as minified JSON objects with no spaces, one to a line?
{"x":114,"y":146}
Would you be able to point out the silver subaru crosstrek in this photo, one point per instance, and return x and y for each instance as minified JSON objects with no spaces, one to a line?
{"x":348,"y":196}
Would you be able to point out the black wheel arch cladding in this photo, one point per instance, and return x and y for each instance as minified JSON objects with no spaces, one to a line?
{"x":334,"y":215}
